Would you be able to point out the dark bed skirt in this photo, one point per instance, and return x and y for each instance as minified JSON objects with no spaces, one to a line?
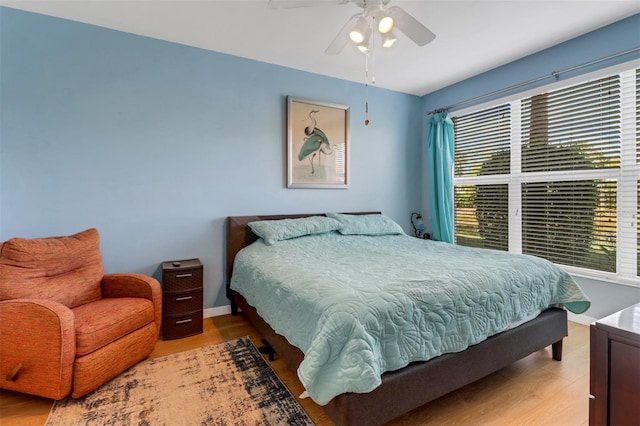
{"x":420,"y":382}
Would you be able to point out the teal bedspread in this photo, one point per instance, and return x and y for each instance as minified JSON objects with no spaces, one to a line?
{"x":358,"y":306}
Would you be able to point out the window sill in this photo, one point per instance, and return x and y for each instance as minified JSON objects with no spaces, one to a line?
{"x":601,"y":276}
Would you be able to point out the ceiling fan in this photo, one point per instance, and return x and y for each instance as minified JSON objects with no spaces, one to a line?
{"x":360,"y":28}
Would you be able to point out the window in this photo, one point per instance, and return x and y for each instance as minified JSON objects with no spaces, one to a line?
{"x":555,"y":174}
{"x":482,"y":147}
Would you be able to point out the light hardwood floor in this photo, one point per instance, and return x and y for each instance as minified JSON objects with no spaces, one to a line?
{"x":533,"y":391}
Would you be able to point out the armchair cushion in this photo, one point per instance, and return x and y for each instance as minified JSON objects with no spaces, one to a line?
{"x":65,"y":269}
{"x":107,"y":320}
{"x":134,"y":285}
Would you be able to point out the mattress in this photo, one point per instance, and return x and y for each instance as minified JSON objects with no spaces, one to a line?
{"x":358,"y":306}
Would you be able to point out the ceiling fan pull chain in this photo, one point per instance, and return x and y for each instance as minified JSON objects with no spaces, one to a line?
{"x":372,"y":49}
{"x":366,"y":89}
{"x":366,"y":121}
{"x":366,"y":76}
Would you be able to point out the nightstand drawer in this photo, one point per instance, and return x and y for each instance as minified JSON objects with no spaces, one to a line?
{"x":182,"y":280}
{"x":179,"y":327}
{"x":179,"y":304}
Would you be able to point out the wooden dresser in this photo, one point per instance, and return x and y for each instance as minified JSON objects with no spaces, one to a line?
{"x":615,"y":369}
{"x":182,"y":298}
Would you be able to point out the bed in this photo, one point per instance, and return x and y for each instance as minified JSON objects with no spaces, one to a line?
{"x":397,"y":389}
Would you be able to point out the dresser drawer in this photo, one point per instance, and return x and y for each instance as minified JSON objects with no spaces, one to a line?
{"x":179,"y":304}
{"x":182,"y":280}
{"x":179,"y":327}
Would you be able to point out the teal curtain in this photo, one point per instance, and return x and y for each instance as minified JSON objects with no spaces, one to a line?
{"x":440,"y":174}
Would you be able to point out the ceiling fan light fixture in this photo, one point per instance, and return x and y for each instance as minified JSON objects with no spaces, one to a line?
{"x":388,"y":39}
{"x":356,"y":36}
{"x":363,"y":46}
{"x":358,"y":33}
{"x":385,"y":24}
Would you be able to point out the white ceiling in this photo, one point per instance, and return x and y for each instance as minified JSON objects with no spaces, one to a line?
{"x":472,"y":36}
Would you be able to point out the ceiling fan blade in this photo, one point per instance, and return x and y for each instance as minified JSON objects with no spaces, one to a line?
{"x":342,"y":38}
{"x":411,"y":27}
{"x":287,"y":4}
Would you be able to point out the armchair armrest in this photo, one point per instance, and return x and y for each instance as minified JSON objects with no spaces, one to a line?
{"x":40,"y":335}
{"x":134,"y":285}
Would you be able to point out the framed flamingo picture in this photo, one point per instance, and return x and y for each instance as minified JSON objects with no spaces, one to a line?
{"x":317,"y":144}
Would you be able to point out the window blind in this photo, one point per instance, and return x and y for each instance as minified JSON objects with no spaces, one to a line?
{"x":555,"y":175}
{"x":482,"y":216}
{"x":482,"y":142}
{"x":571,"y":223}
{"x":576,"y":128}
{"x":482,"y":147}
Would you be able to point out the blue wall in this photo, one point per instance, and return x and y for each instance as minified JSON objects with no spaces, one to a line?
{"x":155,"y":143}
{"x":615,"y":38}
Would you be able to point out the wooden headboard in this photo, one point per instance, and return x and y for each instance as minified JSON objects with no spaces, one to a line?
{"x":240,"y":235}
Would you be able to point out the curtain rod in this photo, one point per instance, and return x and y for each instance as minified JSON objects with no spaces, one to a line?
{"x":554,"y":74}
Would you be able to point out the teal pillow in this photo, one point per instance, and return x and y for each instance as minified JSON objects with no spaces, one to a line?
{"x":272,"y":231}
{"x":367,"y":224}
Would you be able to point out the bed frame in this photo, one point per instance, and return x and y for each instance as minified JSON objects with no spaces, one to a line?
{"x":420,"y":382}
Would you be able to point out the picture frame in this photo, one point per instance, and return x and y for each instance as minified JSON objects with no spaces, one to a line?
{"x":317,"y":144}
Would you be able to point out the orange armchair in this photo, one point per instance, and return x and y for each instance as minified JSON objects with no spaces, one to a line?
{"x":65,"y":327}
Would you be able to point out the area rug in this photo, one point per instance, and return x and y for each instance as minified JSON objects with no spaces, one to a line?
{"x":225,"y":384}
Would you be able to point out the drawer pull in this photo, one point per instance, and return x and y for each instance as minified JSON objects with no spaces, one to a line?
{"x":184,"y":275}
{"x":178,"y":299}
{"x":184,"y":321}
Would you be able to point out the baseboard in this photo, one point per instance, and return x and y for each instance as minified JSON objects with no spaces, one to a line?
{"x":216,"y":312}
{"x":580,"y":318}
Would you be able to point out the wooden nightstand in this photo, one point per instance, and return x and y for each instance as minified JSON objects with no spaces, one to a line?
{"x":615,"y":369}
{"x":182,"y":298}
